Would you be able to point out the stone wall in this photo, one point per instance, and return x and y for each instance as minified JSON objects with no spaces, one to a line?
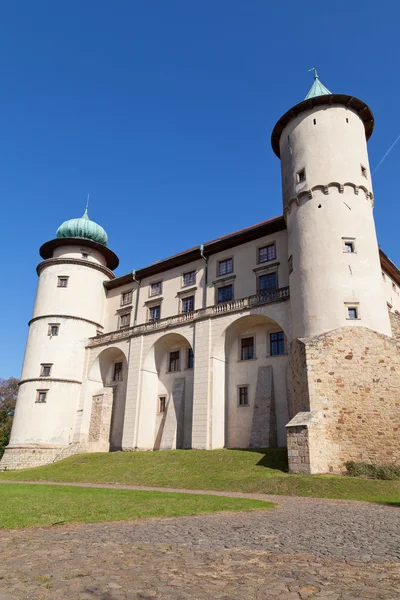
{"x":395,"y":324}
{"x":353,"y":377}
{"x":297,"y":382}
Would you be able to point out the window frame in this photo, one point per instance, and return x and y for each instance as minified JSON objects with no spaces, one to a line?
{"x":301,"y":175}
{"x":348,"y":241}
{"x":277,"y":342}
{"x":162,"y":404}
{"x":225,"y":260}
{"x":267,"y":290}
{"x":43,"y":367}
{"x":153,"y":307}
{"x":158,"y":283}
{"x":176,"y":361}
{"x":185,"y":299}
{"x":265,"y":246}
{"x":222,"y":287}
{"x":117,"y":373}
{"x":121,"y":317}
{"x":243,"y":386}
{"x":61,"y":278}
{"x":190,"y":358}
{"x":128,"y":293}
{"x":50,"y":327}
{"x":194,"y":272}
{"x":352,"y":307}
{"x":243,"y":347}
{"x":39,"y":393}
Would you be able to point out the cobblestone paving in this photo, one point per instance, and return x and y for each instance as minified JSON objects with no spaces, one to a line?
{"x":304,"y":549}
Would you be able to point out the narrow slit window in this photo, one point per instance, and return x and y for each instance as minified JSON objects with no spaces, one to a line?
{"x":162,"y":404}
{"x":315,"y":121}
{"x":117,"y":371}
{"x":243,"y":393}
{"x":54,"y":328}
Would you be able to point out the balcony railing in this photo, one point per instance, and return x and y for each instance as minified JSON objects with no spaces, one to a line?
{"x":266,"y":297}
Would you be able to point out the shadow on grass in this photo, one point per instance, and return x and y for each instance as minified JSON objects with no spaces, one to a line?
{"x":271,"y":458}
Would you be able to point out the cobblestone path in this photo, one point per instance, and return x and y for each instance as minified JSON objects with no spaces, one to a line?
{"x":304,"y":549}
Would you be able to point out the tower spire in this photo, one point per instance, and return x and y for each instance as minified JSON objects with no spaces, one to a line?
{"x":85,"y":214}
{"x":317,"y":88}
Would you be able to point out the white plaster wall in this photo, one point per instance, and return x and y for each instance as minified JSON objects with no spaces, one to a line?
{"x":325,"y":278}
{"x":48,"y":423}
{"x":84,"y":296}
{"x":331,"y":150}
{"x":76,"y":252}
{"x":114,"y":307}
{"x":245,"y":259}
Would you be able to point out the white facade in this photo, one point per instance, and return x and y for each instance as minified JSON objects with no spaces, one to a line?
{"x":192,"y":352}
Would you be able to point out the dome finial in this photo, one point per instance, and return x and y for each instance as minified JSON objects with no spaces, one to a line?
{"x":85,"y":214}
{"x":317,"y":88}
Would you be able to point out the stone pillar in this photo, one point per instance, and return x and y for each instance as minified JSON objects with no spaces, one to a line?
{"x":100,"y":419}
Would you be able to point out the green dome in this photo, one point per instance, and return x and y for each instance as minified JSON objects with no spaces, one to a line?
{"x":83,"y":228}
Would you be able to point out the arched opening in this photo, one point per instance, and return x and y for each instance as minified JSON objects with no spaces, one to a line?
{"x":166,"y":400}
{"x":108,"y":380}
{"x":249,"y":384}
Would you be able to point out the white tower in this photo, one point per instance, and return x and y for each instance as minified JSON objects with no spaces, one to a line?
{"x":69,"y":308}
{"x":334,"y":260}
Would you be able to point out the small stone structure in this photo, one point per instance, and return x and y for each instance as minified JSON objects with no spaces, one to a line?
{"x":344,"y":395}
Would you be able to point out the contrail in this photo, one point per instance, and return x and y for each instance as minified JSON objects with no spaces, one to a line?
{"x":382,"y":159}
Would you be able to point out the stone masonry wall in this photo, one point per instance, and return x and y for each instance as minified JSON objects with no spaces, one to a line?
{"x":353,"y":376}
{"x":395,"y":324}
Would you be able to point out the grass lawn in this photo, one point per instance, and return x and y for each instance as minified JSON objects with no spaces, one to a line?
{"x":27,"y":505}
{"x":262,"y":471}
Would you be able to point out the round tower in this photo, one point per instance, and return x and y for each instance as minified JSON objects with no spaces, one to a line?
{"x":69,"y":308}
{"x":334,"y":264}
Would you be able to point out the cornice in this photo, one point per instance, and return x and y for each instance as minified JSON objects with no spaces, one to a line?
{"x":47,"y":379}
{"x":65,"y":317}
{"x":325,"y":189}
{"x":74,"y":261}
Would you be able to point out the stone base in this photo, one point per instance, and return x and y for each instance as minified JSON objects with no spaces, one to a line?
{"x":35,"y":455}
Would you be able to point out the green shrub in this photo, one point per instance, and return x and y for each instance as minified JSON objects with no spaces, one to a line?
{"x":367,"y":471}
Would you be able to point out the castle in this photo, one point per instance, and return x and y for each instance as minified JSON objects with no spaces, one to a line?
{"x":286,"y":333}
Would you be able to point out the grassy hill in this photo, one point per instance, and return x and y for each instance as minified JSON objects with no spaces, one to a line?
{"x":261,"y":471}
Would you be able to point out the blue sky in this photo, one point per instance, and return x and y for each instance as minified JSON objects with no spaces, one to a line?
{"x":163,"y":111}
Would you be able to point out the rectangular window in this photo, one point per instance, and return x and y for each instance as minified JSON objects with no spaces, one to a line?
{"x":41,"y":396}
{"x":277,"y":341}
{"x":267,"y":282}
{"x":352,"y":312}
{"x":301,"y":176}
{"x":45,"y":370}
{"x":126,"y":298}
{"x":190,"y":358}
{"x":62,"y":282}
{"x":124,"y":320}
{"x":189,"y":278}
{"x":225,"y":294}
{"x":84,"y":255}
{"x":266,"y":253}
{"x":53,"y":329}
{"x":247,"y":348}
{"x":174,"y":361}
{"x":188,"y":304}
{"x":117,"y":371}
{"x":243,"y":392}
{"x":156,"y":288}
{"x":162,"y":404}
{"x":225,"y":266}
{"x":349,"y":246}
{"x":154,"y":313}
